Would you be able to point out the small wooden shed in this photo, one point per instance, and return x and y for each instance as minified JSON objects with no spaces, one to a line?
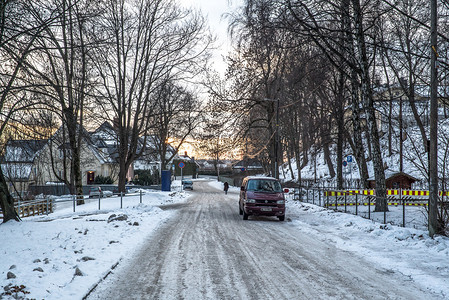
{"x":395,"y":180}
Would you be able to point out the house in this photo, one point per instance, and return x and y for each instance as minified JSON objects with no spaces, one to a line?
{"x":43,"y":162}
{"x":18,"y":163}
{"x":150,"y":158}
{"x":149,"y":161}
{"x":251,"y":166}
{"x":392,"y":103}
{"x":208,"y":167}
{"x":28,"y":163}
{"x":395,"y":180}
{"x":104,"y":139}
{"x":55,"y":159}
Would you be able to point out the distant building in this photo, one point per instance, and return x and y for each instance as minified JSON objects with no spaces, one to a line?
{"x":207,"y":166}
{"x":55,"y":159}
{"x":251,"y":166}
{"x":43,"y":162}
{"x":395,"y":180}
{"x":18,"y":163}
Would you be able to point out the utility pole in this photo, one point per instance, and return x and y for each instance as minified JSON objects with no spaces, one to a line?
{"x":276,"y":172}
{"x":401,"y":140}
{"x":434,"y":227}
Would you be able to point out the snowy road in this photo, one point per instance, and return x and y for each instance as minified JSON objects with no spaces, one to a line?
{"x":208,"y":252}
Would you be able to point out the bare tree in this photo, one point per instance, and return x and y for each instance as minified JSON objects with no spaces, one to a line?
{"x":143,"y":43}
{"x":18,"y":34}
{"x":404,"y":45}
{"x":176,"y":113}
{"x":257,"y":71}
{"x":367,"y":96}
{"x":216,"y":135}
{"x":61,"y":74}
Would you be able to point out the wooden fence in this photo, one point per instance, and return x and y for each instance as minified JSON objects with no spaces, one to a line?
{"x":32,"y":208}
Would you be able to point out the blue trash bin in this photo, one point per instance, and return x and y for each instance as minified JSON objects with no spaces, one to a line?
{"x":166,"y":180}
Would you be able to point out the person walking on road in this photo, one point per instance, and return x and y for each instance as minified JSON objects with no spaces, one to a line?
{"x":226,"y":187}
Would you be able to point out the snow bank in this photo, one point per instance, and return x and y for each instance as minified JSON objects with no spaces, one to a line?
{"x":61,"y":256}
{"x":405,"y":250}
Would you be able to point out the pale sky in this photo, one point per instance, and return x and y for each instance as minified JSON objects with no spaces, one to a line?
{"x":213,"y":10}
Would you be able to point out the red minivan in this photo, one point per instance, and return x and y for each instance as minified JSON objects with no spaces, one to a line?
{"x":262,"y":196}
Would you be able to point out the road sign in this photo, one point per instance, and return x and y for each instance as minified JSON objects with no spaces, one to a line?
{"x":345,"y":163}
{"x":181,"y":165}
{"x":349,"y":158}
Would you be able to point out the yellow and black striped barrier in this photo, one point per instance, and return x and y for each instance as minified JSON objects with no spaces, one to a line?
{"x":358,"y":192}
{"x":362,"y":204}
{"x":415,"y":193}
{"x":418,"y":193}
{"x":341,"y":193}
{"x":405,"y":197}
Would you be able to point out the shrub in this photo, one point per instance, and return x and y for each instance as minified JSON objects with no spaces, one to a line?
{"x":145,"y":177}
{"x":99,"y":179}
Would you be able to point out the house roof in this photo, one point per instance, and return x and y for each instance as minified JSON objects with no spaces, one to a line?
{"x":105,"y":132}
{"x":17,"y":171}
{"x":392,"y":173}
{"x":249,"y":163}
{"x":22,"y":151}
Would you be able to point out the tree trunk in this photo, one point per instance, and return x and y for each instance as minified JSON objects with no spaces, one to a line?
{"x":327,"y":157}
{"x":340,"y":115}
{"x":271,"y":118}
{"x":420,"y":124}
{"x":296,"y":149}
{"x":368,"y":138}
{"x":7,"y":201}
{"x":367,"y":96}
{"x":290,"y":162}
{"x":74,"y":134}
{"x":122,"y":176}
{"x":77,"y":176}
{"x":123,"y":154}
{"x":298,"y":166}
{"x":390,"y":104}
{"x":359,"y":150}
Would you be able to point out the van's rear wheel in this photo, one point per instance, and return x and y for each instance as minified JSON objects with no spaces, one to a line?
{"x":281,"y":218}
{"x":245,"y":216}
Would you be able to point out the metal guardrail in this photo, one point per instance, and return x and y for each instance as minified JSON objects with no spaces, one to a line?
{"x":349,"y":201}
{"x":47,"y":205}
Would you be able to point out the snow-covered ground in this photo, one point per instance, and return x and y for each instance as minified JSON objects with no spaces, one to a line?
{"x":405,"y":250}
{"x":65,"y":254}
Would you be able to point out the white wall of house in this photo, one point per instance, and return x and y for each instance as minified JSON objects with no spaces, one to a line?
{"x":90,"y":161}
